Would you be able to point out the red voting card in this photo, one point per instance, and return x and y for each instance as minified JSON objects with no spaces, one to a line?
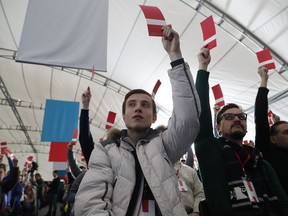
{"x":209,"y":33}
{"x":155,"y":20}
{"x":218,"y":95}
{"x":10,"y":154}
{"x":110,"y":120}
{"x":3,"y":147}
{"x":156,"y":87}
{"x":265,"y":59}
{"x":270,"y":113}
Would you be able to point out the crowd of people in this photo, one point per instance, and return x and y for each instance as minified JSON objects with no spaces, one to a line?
{"x":140,"y":171}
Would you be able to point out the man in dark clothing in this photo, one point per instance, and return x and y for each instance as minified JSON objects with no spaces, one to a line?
{"x":273,"y":143}
{"x":40,"y":188}
{"x":53,"y":190}
{"x":236,"y":180}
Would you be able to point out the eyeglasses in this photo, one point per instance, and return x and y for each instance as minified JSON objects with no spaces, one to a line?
{"x":231,"y":116}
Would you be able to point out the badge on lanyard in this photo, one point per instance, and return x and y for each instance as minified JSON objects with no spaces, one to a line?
{"x":250,"y":190}
{"x":182,"y":185}
{"x":147,"y":208}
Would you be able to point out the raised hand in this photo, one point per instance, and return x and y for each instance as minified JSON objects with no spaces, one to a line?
{"x":85,"y":98}
{"x":204,"y":58}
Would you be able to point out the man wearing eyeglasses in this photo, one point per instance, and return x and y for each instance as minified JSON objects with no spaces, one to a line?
{"x":236,"y":180}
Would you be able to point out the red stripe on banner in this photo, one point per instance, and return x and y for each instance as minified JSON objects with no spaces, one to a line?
{"x":110,"y":120}
{"x":145,"y":205}
{"x":58,"y":152}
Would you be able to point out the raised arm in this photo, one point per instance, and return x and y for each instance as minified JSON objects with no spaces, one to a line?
{"x":202,"y":86}
{"x":85,"y":137}
{"x":72,"y":161}
{"x":183,"y":125}
{"x":262,"y":138}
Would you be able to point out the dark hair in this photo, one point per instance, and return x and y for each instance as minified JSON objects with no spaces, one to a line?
{"x":55,"y":171}
{"x":38,"y":174}
{"x":137,"y":91}
{"x":273,"y":129}
{"x":224,"y":109}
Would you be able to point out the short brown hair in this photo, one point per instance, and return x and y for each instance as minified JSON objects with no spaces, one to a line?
{"x":138,"y":91}
{"x":224,"y":109}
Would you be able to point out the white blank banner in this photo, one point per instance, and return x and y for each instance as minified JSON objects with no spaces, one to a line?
{"x":65,"y":33}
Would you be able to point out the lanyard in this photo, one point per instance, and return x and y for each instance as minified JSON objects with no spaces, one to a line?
{"x":245,"y":161}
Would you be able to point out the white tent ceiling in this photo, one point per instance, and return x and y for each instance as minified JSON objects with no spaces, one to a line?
{"x":136,"y":60}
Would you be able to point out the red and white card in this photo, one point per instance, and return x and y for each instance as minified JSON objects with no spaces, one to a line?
{"x":10,"y":154}
{"x":209,"y":33}
{"x":218,"y":95}
{"x":270,"y":114}
{"x":155,"y":20}
{"x":3,"y":147}
{"x":155,"y":89}
{"x":110,"y":120}
{"x":265,"y":59}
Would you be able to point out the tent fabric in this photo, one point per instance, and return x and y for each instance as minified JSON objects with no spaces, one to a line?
{"x":135,"y":60}
{"x":65,"y":34}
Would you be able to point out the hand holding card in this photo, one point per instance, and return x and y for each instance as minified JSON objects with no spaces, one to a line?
{"x":265,"y":59}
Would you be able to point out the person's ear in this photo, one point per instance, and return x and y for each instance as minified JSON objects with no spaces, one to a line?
{"x":273,"y":139}
{"x":154,"y":118}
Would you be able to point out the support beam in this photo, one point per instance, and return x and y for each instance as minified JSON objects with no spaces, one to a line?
{"x":15,"y":111}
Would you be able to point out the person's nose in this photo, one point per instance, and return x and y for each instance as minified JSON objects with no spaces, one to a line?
{"x":138,"y":108}
{"x":236,"y":118}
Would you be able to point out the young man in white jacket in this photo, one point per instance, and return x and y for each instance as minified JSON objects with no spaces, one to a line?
{"x":133,"y":174}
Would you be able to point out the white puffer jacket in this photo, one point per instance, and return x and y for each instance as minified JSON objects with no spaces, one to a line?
{"x":107,"y":187}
